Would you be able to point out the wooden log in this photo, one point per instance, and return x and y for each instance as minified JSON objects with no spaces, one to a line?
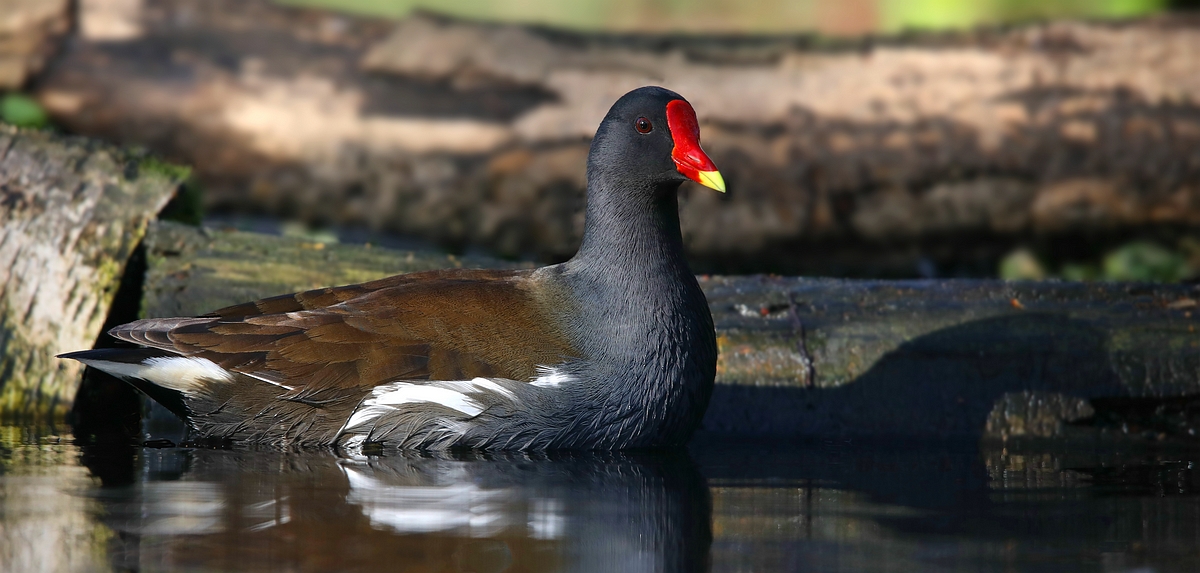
{"x":823,"y":357}
{"x":191,"y":270}
{"x":950,"y":358}
{"x":859,"y":157}
{"x":71,"y":213}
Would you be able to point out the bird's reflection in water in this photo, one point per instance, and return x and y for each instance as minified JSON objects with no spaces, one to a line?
{"x":231,"y":510}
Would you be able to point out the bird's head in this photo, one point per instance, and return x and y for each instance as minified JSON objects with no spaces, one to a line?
{"x":651,"y":135}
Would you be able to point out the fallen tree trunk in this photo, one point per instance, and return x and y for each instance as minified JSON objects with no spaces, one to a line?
{"x":820,"y":358}
{"x":859,"y":157}
{"x":71,"y":213}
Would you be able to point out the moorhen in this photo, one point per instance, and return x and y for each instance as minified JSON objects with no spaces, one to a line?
{"x":612,"y":349}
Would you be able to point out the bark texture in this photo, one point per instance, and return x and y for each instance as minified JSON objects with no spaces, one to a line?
{"x":852,"y":157}
{"x":71,"y":213}
{"x":822,"y":357}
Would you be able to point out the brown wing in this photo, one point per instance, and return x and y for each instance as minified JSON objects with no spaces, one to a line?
{"x":440,"y":325}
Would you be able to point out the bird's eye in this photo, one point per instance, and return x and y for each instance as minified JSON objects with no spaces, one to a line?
{"x":643,"y":125}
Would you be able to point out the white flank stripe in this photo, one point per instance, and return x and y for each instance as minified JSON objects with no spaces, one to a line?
{"x":366,"y":413}
{"x":182,"y":373}
{"x":410,"y":393}
{"x":452,"y":394}
{"x":494,"y":387}
{"x":550,"y":377}
{"x":476,"y":385}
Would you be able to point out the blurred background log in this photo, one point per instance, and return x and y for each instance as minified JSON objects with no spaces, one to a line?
{"x":931,"y":154}
{"x":71,"y":213}
{"x":30,"y":31}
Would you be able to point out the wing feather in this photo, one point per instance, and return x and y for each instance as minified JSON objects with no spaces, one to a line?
{"x":328,"y":344}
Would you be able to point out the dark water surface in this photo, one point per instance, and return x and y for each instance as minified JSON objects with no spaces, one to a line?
{"x":719,"y":505}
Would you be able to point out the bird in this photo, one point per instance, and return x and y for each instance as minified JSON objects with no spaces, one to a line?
{"x":613,"y":349}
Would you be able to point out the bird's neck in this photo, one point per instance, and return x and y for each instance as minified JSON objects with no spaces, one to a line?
{"x":642,"y":321}
{"x":630,"y":274}
{"x":632,"y":232}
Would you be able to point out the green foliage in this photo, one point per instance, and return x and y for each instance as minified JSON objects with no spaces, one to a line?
{"x":942,"y":14}
{"x":1022,"y":264}
{"x":1140,"y":261}
{"x":764,"y":16}
{"x":1145,"y":261}
{"x":22,"y":111}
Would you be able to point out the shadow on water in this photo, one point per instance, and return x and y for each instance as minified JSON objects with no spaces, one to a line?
{"x":937,"y":386}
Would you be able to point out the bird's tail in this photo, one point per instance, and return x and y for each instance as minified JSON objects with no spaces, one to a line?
{"x":161,"y":375}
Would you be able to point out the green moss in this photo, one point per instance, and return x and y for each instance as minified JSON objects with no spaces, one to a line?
{"x":302,"y":231}
{"x":108,"y":273}
{"x":193,"y":271}
{"x":172,"y":171}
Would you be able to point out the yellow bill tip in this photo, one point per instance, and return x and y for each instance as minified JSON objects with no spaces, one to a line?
{"x":712,"y":179}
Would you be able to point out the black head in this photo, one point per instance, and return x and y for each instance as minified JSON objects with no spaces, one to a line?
{"x":650,"y":138}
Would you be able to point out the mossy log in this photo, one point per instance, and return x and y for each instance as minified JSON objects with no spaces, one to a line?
{"x":192,"y":270}
{"x":822,"y":357}
{"x":71,"y":213}
{"x":873,"y":157}
{"x":951,"y":358}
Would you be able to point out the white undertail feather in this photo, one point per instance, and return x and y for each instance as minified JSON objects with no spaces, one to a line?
{"x":181,"y":373}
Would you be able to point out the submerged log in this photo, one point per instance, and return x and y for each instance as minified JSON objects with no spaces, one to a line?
{"x":843,"y":157}
{"x":824,"y":357}
{"x":71,"y":213}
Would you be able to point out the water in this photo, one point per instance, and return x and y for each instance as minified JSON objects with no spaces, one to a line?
{"x":724,"y":506}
